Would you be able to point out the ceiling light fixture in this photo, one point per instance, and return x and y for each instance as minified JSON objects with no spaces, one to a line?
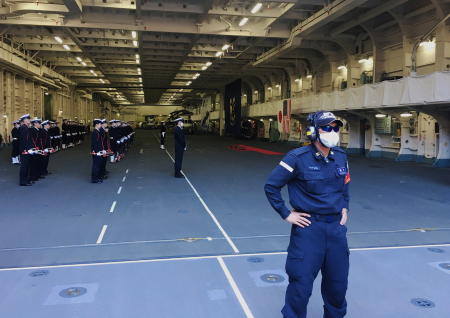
{"x":297,"y":80}
{"x":225,"y":47}
{"x":204,"y":68}
{"x":243,"y":21}
{"x":256,"y":8}
{"x":188,"y":83}
{"x":309,"y":76}
{"x":133,"y":34}
{"x":342,"y":67}
{"x":83,"y":63}
{"x":58,"y":39}
{"x":404,"y":115}
{"x":135,"y":43}
{"x":219,"y":54}
{"x":362,"y":61}
{"x":428,"y":45}
{"x":79,"y":59}
{"x":208,"y":64}
{"x":380,"y":115}
{"x":138,"y":61}
{"x":137,"y":56}
{"x":65,"y":46}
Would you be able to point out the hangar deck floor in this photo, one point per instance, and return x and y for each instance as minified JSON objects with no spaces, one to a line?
{"x":144,"y":244}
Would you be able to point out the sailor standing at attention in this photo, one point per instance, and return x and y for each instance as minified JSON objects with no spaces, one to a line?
{"x":25,"y":148}
{"x":162,"y":135}
{"x":97,"y":152}
{"x":180,"y":146}
{"x":15,"y":143}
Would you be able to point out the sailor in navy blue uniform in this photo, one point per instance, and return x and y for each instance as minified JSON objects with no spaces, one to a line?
{"x":97,"y":152}
{"x":318,"y":178}
{"x":180,"y":146}
{"x":15,"y":153}
{"x":25,"y":149}
{"x":162,"y":134}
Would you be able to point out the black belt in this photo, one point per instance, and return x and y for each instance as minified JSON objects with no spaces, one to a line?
{"x":327,"y":218}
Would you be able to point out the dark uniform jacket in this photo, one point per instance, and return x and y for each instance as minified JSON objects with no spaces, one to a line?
{"x":316,"y":184}
{"x":35,"y":138}
{"x":180,"y":140}
{"x":114,"y":136}
{"x":15,"y":141}
{"x":24,"y":139}
{"x":45,"y":139}
{"x":96,"y":141}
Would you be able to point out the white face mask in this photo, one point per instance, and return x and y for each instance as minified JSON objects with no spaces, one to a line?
{"x":330,"y":139}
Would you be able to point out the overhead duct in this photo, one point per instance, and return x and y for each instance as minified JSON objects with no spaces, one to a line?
{"x":24,"y":8}
{"x":331,"y":12}
{"x":46,"y":81}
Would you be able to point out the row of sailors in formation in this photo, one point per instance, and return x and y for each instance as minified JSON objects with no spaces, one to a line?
{"x":34,"y":140}
{"x":112,"y":141}
{"x":72,"y":134}
{"x":32,"y":146}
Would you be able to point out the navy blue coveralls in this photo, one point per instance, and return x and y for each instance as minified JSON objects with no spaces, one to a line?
{"x":180,"y":145}
{"x":317,"y":186}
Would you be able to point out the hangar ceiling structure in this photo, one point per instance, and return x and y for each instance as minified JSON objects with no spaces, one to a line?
{"x":174,"y":52}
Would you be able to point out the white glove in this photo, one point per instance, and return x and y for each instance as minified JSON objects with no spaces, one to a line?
{"x":30,"y":151}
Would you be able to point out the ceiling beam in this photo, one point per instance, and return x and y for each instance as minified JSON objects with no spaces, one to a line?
{"x":385,"y":7}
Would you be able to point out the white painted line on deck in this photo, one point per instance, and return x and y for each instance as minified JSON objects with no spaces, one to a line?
{"x":102,"y":233}
{"x":225,"y":234}
{"x":113,"y":206}
{"x":234,"y":286}
{"x":124,"y":178}
{"x":199,"y":258}
{"x":120,"y":190}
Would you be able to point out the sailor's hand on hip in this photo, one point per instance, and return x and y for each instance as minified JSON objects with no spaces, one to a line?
{"x":344,"y":216}
{"x":299,"y":218}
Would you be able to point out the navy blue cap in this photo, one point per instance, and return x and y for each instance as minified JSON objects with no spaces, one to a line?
{"x":325,"y":118}
{"x":97,"y":121}
{"x":179,"y":119}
